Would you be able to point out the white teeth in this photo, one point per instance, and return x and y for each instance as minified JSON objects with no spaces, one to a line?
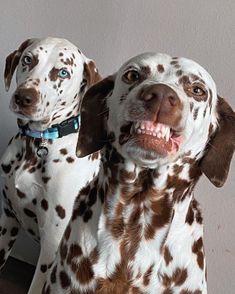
{"x":167,"y":135}
{"x":142,"y":126}
{"x":159,"y":130}
{"x":137,"y":125}
{"x":164,"y":130}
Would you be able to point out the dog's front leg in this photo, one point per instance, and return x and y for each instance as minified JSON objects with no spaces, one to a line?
{"x":9,"y":229}
{"x":49,"y":246}
{"x":78,"y":250}
{"x":40,"y":272}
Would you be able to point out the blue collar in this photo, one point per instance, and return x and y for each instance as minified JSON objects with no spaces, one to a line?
{"x":66,"y":127}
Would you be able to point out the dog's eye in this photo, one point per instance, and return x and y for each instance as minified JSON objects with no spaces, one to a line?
{"x":63,"y":73}
{"x":197,"y":90}
{"x":26,"y":60}
{"x":131,"y":76}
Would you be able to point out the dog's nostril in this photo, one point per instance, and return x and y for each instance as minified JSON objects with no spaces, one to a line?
{"x":173,"y":100}
{"x":23,"y":101}
{"x":27,"y":100}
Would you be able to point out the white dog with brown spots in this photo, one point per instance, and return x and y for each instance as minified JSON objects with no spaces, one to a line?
{"x":137,"y":228}
{"x":42,"y":176}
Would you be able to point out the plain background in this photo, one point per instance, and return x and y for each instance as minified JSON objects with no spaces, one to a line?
{"x":111,"y":31}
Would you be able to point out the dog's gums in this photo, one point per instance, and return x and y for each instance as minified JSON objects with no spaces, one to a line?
{"x":157,"y":137}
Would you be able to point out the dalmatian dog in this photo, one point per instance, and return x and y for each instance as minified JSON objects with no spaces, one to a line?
{"x":136,"y":228}
{"x":41,"y":173}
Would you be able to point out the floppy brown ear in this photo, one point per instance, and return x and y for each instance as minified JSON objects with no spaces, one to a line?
{"x":12,"y":61}
{"x":216,"y":162}
{"x":92,"y":75}
{"x":94,"y":112}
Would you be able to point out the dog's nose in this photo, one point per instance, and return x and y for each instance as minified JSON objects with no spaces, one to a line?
{"x":162,"y":104}
{"x":162,"y":94}
{"x":25,"y":97}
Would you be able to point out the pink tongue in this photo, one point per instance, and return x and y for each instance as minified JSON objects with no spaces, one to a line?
{"x":175,"y":141}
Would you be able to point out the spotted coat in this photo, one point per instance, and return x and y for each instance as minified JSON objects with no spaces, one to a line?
{"x":38,"y":193}
{"x":136,"y":228}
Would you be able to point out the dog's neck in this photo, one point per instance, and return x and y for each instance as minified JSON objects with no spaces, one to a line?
{"x":154,"y":191}
{"x":32,"y":145}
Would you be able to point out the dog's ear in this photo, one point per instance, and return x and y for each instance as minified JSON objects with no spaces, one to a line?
{"x":91,"y":74}
{"x":94,"y":113}
{"x":216,"y":161}
{"x":12,"y":61}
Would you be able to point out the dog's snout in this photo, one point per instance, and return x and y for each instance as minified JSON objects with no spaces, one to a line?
{"x":162,"y":102}
{"x":162,"y":94}
{"x":25,"y":97}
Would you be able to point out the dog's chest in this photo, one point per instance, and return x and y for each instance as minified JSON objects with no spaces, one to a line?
{"x":36,"y":186}
{"x":168,"y":260}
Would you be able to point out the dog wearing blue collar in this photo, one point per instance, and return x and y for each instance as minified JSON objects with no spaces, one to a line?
{"x":41,"y":173}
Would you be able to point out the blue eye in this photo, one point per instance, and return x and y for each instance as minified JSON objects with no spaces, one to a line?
{"x":63,"y":73}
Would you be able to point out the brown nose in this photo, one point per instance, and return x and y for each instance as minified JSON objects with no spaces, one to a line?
{"x":160,"y":92}
{"x":25,"y":97}
{"x":163,"y":101}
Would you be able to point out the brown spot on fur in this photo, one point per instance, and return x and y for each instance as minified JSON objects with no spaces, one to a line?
{"x":179,"y":72}
{"x":60,"y":211}
{"x":84,"y":272}
{"x":29,"y":213}
{"x":70,"y":159}
{"x":14,"y":232}
{"x":195,"y":113}
{"x":167,"y":255}
{"x":147,"y":276}
{"x":197,"y":249}
{"x":190,"y":216}
{"x":168,"y":291}
{"x":74,"y":251}
{"x":64,"y":280}
{"x":160,"y":68}
{"x":162,"y":209}
{"x":46,"y":179}
{"x":63,"y":151}
{"x":20,"y":194}
{"x":56,"y":160}
{"x":2,"y":257}
{"x":44,"y":204}
{"x":46,"y":290}
{"x":53,"y":74}
{"x":191,"y":292}
{"x":179,"y":276}
{"x":53,"y":275}
{"x":67,"y":232}
{"x":117,"y":225}
{"x":6,"y":168}
{"x":31,"y":232}
{"x":63,"y":250}
{"x":43,"y":268}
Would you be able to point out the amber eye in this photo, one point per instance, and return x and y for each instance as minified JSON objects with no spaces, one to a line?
{"x":197,"y":90}
{"x":131,"y":76}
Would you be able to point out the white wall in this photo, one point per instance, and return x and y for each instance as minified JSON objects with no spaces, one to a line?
{"x":110,"y":32}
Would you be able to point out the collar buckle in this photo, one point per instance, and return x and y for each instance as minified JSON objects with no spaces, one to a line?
{"x":66,"y":127}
